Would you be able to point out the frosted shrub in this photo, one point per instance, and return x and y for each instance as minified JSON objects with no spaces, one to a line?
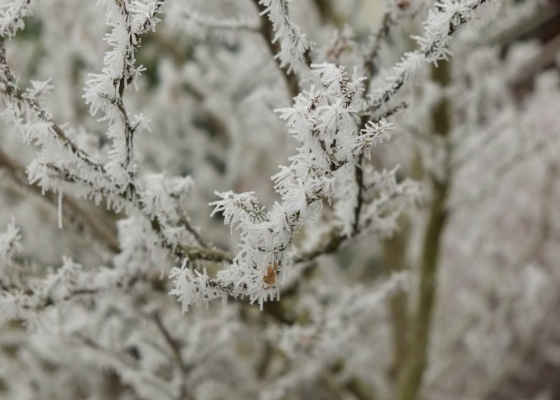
{"x":391,"y":199}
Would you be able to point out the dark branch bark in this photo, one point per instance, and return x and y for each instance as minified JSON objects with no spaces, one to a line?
{"x":415,"y":363}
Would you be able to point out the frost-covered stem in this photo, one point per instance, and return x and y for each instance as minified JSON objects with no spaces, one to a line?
{"x":359,"y":168}
{"x":15,"y":96}
{"x":359,"y":177}
{"x":392,"y":111}
{"x":370,"y":60}
{"x":105,"y":91}
{"x":190,"y":252}
{"x":410,"y":379}
{"x":267,"y":31}
{"x":16,"y":13}
{"x":79,"y":217}
{"x":149,"y":21}
{"x":324,"y":122}
{"x":205,"y":254}
{"x":129,"y":72}
{"x":184,"y":221}
{"x":45,"y":301}
{"x":122,"y":82}
{"x":181,"y":251}
{"x":335,"y":240}
{"x":430,"y":49}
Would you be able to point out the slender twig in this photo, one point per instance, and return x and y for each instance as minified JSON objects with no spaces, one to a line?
{"x":80,"y":218}
{"x":17,"y":14}
{"x":15,"y":95}
{"x":359,"y":176}
{"x":370,"y":62}
{"x":269,"y":36}
{"x":12,"y":91}
{"x":176,"y":348}
{"x":373,"y":52}
{"x":426,"y":52}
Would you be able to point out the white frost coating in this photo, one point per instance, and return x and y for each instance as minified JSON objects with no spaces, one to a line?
{"x":140,"y":308}
{"x":293,"y":43}
{"x":323,"y":122}
{"x":10,"y":243}
{"x":443,"y":19}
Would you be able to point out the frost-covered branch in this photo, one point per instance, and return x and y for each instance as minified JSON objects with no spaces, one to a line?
{"x":288,"y":44}
{"x":443,"y":20}
{"x":37,"y":126}
{"x":372,"y":53}
{"x":82,"y":174}
{"x":80,"y":218}
{"x":11,"y":17}
{"x":294,"y":47}
{"x":105,"y":91}
{"x":324,"y":122}
{"x":340,"y":229}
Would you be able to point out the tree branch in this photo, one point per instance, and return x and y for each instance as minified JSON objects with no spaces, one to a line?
{"x":269,"y":36}
{"x":410,"y":379}
{"x":80,"y":218}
